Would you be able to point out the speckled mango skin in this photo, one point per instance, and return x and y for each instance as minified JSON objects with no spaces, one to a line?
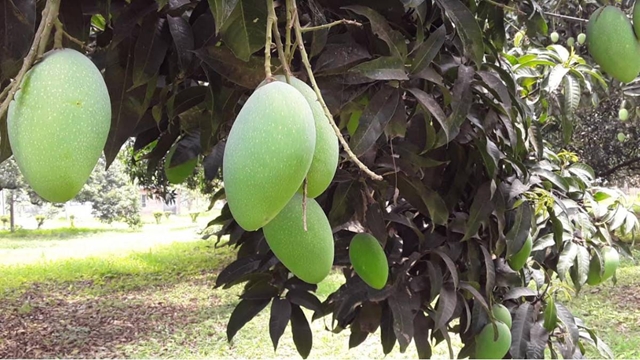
{"x":58,"y":124}
{"x":307,"y":254}
{"x":612,"y":43}
{"x":487,"y":347}
{"x":268,"y":154}
{"x":369,"y":260}
{"x":179,"y":173}
{"x":325,"y":158}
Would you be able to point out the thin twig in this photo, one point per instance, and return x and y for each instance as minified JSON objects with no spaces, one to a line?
{"x":281,"y":55}
{"x":267,"y":45}
{"x":57,"y":38}
{"x":60,"y":29}
{"x":520,"y":12}
{"x":307,"y":64}
{"x":304,"y":203}
{"x":330,"y":25}
{"x":287,"y":34}
{"x":41,"y":37}
{"x":54,"y":7}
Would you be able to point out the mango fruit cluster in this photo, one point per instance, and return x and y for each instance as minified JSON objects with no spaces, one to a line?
{"x":58,"y":123}
{"x":281,"y":137}
{"x":613,"y":42}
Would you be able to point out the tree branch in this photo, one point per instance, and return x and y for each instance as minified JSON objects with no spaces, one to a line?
{"x":330,"y":25}
{"x":268,"y":42}
{"x":307,"y":64}
{"x":617,"y":167}
{"x":40,"y":40}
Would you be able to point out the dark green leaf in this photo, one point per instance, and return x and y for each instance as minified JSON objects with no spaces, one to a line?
{"x":467,"y":28}
{"x":236,"y":270}
{"x":450,"y":265}
{"x":17,"y":29}
{"x":446,"y":305}
{"x":476,"y":295}
{"x":427,"y":51}
{"x":422,"y":326}
{"x":426,"y":200}
{"x":387,"y":335}
{"x":374,"y":119}
{"x":519,"y":292}
{"x":242,"y":314}
{"x":182,"y":39}
{"x":382,"y":68}
{"x":336,"y":56}
{"x":566,"y":259}
{"x":538,"y":342}
{"x":76,"y":23}
{"x":380,"y":27}
{"x":222,"y":9}
{"x":213,"y":161}
{"x":403,"y":306}
{"x":490,"y":271}
{"x":480,"y":209}
{"x":5,"y":148}
{"x":244,"y":29}
{"x":304,"y":298}
{"x":556,"y":179}
{"x":569,"y":321}
{"x":185,"y":100}
{"x":280,"y":314}
{"x":519,"y":231}
{"x":357,"y":336}
{"x":151,"y":48}
{"x":246,"y":74}
{"x":461,"y":103}
{"x":521,"y":330}
{"x":431,"y":105}
{"x":262,"y":290}
{"x":127,"y":20}
{"x":302,"y":337}
{"x":582,"y":265}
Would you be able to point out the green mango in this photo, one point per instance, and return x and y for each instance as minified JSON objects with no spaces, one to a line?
{"x":326,"y":155}
{"x":502,"y":314}
{"x":179,"y":173}
{"x":600,"y":271}
{"x":307,"y":254}
{"x":268,"y":153}
{"x":369,"y":260}
{"x":487,"y":347}
{"x":612,"y":43}
{"x":517,"y":260}
{"x":636,"y":19}
{"x":58,"y":124}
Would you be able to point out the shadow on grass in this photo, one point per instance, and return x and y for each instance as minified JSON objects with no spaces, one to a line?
{"x":89,"y":308}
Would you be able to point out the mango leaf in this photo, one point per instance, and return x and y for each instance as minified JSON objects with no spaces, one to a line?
{"x":182,"y":39}
{"x":129,"y":17}
{"x":467,"y":28}
{"x":374,"y":119}
{"x":581,"y":266}
{"x":17,"y":29}
{"x":431,"y":105}
{"x":427,"y":51}
{"x":244,"y":29}
{"x":426,"y":200}
{"x":5,"y":148}
{"x":280,"y":315}
{"x":302,"y":337}
{"x":304,"y":298}
{"x":519,"y":231}
{"x":380,"y":27}
{"x":446,"y":305}
{"x":387,"y":335}
{"x":566,"y":259}
{"x":382,"y":68}
{"x":404,"y":307}
{"x":221,"y":10}
{"x":569,"y":321}
{"x":246,"y":74}
{"x":481,"y":208}
{"x":213,"y":161}
{"x":339,"y":55}
{"x":422,"y":325}
{"x":151,"y":48}
{"x":242,"y":314}
{"x":461,"y":103}
{"x":521,"y":330}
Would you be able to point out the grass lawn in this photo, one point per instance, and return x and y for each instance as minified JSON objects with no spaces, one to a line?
{"x":161,"y":303}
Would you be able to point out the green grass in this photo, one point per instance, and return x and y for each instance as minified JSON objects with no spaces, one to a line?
{"x":25,"y":238}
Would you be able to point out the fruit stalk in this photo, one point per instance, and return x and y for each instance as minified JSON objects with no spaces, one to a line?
{"x":276,"y":34}
{"x":268,"y":42}
{"x":305,"y":60}
{"x":40,"y":40}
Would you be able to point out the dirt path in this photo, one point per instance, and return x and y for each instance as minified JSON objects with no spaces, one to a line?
{"x":99,"y":244}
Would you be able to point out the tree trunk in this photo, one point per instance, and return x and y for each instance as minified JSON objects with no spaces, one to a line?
{"x":11,"y":211}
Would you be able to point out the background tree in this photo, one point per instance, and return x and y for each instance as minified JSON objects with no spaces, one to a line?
{"x":452,"y":175}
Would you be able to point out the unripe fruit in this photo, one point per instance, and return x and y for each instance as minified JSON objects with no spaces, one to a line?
{"x":571,"y":41}
{"x":502,"y":314}
{"x":621,"y":137}
{"x":307,"y":254}
{"x":487,"y":347}
{"x":369,"y":260}
{"x":268,"y":153}
{"x":602,"y":271}
{"x":636,"y":19}
{"x":612,"y":43}
{"x":554,"y":37}
{"x":180,"y":172}
{"x":623,"y":114}
{"x":517,"y":260}
{"x":582,"y":37}
{"x":58,"y":124}
{"x":325,"y":158}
